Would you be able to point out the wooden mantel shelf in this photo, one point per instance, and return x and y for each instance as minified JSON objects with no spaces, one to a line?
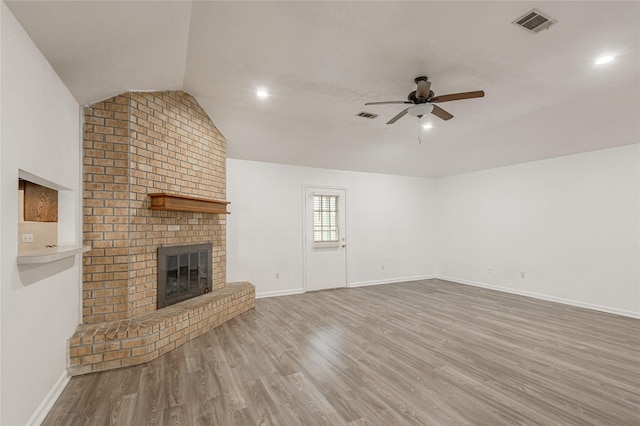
{"x":186,"y":203}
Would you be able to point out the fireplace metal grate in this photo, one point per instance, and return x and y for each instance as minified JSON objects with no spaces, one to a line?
{"x":183,"y":272}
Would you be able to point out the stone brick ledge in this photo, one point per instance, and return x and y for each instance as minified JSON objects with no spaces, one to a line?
{"x":115,"y":344}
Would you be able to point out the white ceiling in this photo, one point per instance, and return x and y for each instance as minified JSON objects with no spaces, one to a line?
{"x":321,"y":61}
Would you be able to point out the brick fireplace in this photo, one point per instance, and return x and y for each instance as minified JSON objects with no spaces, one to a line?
{"x":135,"y":144}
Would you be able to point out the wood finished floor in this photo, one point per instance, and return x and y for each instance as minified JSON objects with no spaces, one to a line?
{"x":420,"y":353}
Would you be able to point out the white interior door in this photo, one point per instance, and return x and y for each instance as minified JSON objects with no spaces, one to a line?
{"x":325,"y":238}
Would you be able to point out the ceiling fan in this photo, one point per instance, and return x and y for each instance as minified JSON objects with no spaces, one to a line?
{"x":422,"y":101}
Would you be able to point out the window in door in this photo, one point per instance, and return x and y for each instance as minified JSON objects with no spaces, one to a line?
{"x":325,"y":219}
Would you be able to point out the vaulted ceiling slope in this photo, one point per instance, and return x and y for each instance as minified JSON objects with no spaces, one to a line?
{"x":321,"y":61}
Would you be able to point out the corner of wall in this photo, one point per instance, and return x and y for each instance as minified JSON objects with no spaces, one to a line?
{"x":39,"y":310}
{"x":1,"y":18}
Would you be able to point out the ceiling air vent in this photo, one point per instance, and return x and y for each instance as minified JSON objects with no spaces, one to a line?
{"x":534,"y":21}
{"x":368,"y":115}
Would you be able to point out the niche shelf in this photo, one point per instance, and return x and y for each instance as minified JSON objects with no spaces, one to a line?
{"x":50,"y":254}
{"x":186,"y":203}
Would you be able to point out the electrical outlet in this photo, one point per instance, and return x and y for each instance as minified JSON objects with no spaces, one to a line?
{"x":277,"y":275}
{"x":296,"y":273}
{"x":488,"y":270}
{"x":522,"y":275}
{"x":27,"y":238}
{"x":382,"y":267}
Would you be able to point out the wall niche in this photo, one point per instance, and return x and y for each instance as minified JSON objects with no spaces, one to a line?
{"x":47,"y":214}
{"x":37,"y":216}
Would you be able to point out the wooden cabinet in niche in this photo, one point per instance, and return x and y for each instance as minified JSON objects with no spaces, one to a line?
{"x":40,"y":202}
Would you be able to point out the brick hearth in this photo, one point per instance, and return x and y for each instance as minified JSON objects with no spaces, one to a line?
{"x":114,"y":344}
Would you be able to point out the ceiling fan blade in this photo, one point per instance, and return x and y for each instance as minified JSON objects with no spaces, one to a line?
{"x":398,"y":116}
{"x":388,"y":102}
{"x":423,"y":89}
{"x":458,"y":96}
{"x":439,"y":112}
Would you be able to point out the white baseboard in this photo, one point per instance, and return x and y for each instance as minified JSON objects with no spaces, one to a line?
{"x":41,"y":412}
{"x":260,"y":295}
{"x":546,"y":297}
{"x":391,"y":281}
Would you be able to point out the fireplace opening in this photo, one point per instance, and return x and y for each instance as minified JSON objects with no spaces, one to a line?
{"x":183,"y":272}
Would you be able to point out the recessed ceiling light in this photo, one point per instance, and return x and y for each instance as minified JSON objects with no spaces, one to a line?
{"x":261,"y":93}
{"x":427,"y":126}
{"x":604,"y":60}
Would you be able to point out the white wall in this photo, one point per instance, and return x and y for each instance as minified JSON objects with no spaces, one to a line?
{"x":1,"y":19}
{"x":39,"y":304}
{"x":389,"y":221}
{"x":570,"y":223}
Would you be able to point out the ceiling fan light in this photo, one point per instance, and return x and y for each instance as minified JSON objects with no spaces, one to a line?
{"x":427,"y":126}
{"x":604,"y":59}
{"x":420,"y":109}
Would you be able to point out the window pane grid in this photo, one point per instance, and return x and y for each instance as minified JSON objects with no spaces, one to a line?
{"x":325,"y":218}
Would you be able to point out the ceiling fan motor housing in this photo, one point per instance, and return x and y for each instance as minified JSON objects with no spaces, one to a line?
{"x":416,"y":100}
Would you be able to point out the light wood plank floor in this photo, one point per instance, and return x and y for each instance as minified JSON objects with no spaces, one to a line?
{"x":420,"y":353}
